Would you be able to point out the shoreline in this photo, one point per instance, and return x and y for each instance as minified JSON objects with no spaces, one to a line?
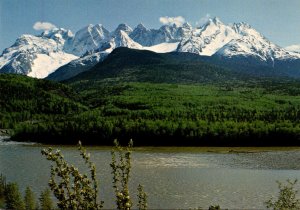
{"x":6,"y":132}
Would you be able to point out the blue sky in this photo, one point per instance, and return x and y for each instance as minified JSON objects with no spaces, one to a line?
{"x":278,"y":20}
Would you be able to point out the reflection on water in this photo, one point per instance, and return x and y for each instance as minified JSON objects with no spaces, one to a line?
{"x":172,"y":179}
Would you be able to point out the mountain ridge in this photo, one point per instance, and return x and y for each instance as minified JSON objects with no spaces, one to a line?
{"x":59,"y":47}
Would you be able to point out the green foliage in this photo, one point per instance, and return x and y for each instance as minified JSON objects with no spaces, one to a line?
{"x":2,"y":185}
{"x":2,"y":190}
{"x":29,"y":199}
{"x":46,"y":202}
{"x":142,"y":198}
{"x":72,"y":189}
{"x":13,"y":198}
{"x":286,"y":199}
{"x":121,"y":167}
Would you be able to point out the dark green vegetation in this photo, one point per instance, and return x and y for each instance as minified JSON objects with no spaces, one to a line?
{"x":27,"y":102}
{"x":155,"y":99}
{"x":11,"y":197}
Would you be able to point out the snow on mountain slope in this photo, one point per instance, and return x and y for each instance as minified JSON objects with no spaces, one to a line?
{"x":252,"y":43}
{"x":122,"y":27}
{"x":44,"y":64}
{"x":208,"y":39}
{"x":166,"y":33}
{"x":59,"y":35}
{"x":29,"y":52}
{"x":121,"y":39}
{"x":77,"y":66}
{"x":118,"y":38}
{"x":142,"y":35}
{"x":293,"y":48}
{"x":238,"y":39}
{"x":163,"y":47}
{"x":86,"y":39}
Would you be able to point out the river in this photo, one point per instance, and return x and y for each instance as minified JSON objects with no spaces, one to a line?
{"x":234,"y":178}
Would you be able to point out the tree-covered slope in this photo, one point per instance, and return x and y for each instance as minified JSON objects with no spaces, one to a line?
{"x":24,"y":100}
{"x":130,"y":65}
{"x":155,"y":99}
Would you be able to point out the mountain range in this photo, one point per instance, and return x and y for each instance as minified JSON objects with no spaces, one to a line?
{"x":59,"y":54}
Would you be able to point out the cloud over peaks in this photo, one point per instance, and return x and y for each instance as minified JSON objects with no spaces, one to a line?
{"x":179,"y":20}
{"x":203,"y":20}
{"x":44,"y":26}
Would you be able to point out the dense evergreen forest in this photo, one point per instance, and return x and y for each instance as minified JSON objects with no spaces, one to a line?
{"x":154,"y":102}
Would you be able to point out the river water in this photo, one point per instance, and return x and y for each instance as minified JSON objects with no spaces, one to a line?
{"x":173,"y":177}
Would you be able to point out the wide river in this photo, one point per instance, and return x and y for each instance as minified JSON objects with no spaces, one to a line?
{"x":234,"y":178}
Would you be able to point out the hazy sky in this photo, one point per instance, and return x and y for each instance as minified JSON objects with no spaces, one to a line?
{"x":278,"y":20}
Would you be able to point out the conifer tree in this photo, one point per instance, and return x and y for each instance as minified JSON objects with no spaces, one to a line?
{"x":29,"y":199}
{"x":45,"y":200}
{"x":13,"y":198}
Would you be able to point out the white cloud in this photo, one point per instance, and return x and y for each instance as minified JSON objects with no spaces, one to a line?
{"x":203,"y":20}
{"x":179,"y":20}
{"x":44,"y":26}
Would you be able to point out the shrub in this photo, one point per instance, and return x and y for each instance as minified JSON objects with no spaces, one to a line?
{"x":121,"y":168}
{"x":74,"y":190}
{"x":286,"y":198}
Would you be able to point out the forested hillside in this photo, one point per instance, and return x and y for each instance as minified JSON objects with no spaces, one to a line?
{"x":25,"y":101}
{"x":155,"y":99}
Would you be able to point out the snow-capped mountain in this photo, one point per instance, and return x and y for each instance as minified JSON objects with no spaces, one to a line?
{"x":120,"y":38}
{"x":251,"y":43}
{"x":238,"y":39}
{"x":165,"y":34}
{"x":86,"y":39}
{"x":208,"y":39}
{"x":142,"y":35}
{"x":38,"y":56}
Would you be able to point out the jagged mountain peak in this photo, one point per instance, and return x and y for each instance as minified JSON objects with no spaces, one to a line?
{"x":121,"y":39}
{"x":141,"y":26}
{"x":187,"y":25}
{"x":60,"y":35}
{"x":50,"y":33}
{"x":169,"y":27}
{"x":123,"y":27}
{"x":215,"y":21}
{"x":86,"y":39}
{"x":245,"y":29}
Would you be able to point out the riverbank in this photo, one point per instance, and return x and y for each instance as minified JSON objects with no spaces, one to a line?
{"x":6,"y":132}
